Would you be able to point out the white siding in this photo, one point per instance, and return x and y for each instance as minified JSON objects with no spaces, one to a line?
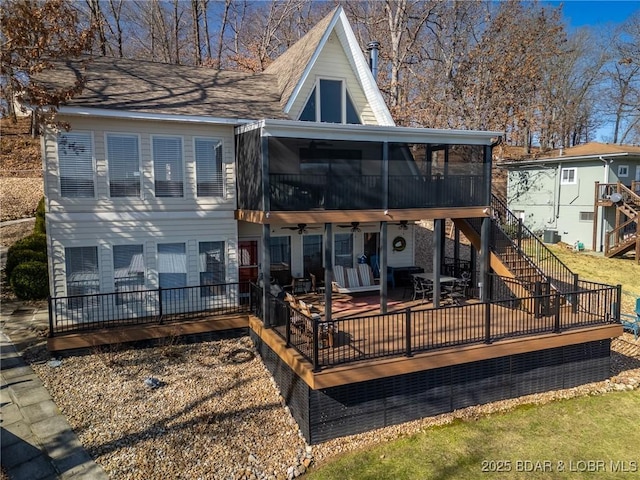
{"x":147,"y":233}
{"x":333,"y":63}
{"x":147,"y":203}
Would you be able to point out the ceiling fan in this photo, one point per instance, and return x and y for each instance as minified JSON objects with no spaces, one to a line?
{"x":301,"y":228}
{"x":403,"y":224}
{"x":355,"y":226}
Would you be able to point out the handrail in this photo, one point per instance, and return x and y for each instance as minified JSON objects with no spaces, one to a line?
{"x":610,"y":242}
{"x":550,"y":266}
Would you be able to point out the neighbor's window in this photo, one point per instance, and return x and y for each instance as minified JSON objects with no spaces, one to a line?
{"x":167,"y":166}
{"x":212,"y":268}
{"x":209,"y":167}
{"x":568,"y":176}
{"x":81,"y":264}
{"x":623,"y":170}
{"x":123,"y":159}
{"x":75,"y":161}
{"x":343,"y":249}
{"x":330,"y":102}
{"x":586,"y":216}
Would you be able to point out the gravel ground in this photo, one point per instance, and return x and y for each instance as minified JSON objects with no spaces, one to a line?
{"x":19,"y":197}
{"x":217,"y":413}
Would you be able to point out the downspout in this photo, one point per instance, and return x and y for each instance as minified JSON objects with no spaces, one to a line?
{"x":607,"y":170}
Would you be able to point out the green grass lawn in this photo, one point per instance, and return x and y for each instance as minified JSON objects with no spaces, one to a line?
{"x":598,"y":268}
{"x":589,"y":437}
{"x":586,"y":437}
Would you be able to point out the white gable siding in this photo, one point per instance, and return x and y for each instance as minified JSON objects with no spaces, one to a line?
{"x":333,"y":63}
{"x":148,"y":202}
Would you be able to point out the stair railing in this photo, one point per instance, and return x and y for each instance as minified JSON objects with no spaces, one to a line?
{"x":531,"y":247}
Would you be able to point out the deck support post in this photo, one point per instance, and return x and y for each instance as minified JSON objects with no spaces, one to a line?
{"x":574,"y":303}
{"x":266,"y":274}
{"x":407,"y":325}
{"x":485,"y":258}
{"x":437,"y":260}
{"x":328,"y":270}
{"x":384,"y":236}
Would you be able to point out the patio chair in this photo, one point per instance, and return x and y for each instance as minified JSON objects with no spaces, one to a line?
{"x":422,"y":289}
{"x":632,"y":322}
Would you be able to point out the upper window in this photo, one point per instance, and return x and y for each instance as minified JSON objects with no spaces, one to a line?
{"x":330,"y":102}
{"x":167,"y":166}
{"x":209,"y":167}
{"x":75,"y":160}
{"x":623,"y":170}
{"x":568,"y":176}
{"x":124,"y":165}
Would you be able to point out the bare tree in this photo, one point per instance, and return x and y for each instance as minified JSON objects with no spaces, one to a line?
{"x":32,"y":34}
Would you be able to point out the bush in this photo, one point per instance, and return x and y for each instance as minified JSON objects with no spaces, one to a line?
{"x":30,"y":281}
{"x":36,"y":242}
{"x":39,"y":227}
{"x":16,"y":257}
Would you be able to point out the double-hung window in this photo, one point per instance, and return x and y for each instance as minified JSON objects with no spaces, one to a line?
{"x":208,"y":154}
{"x":123,"y":159}
{"x":330,"y":102}
{"x":172,"y":274}
{"x":168,"y":166}
{"x":343,"y":250}
{"x":75,"y":162}
{"x":568,"y":176}
{"x":81,"y":265}
{"x":212,"y":268}
{"x":128,"y":271}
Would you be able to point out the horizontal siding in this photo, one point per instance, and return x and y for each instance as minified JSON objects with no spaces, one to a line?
{"x":333,"y":63}
{"x":145,"y":129}
{"x":147,"y":233}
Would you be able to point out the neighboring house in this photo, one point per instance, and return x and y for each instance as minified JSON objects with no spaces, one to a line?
{"x":178,"y":189}
{"x":556,"y":193}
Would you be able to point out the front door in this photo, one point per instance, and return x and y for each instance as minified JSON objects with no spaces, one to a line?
{"x":248,"y":263}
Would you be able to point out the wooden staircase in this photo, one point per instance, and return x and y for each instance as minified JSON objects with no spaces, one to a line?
{"x":625,"y":237}
{"x":516,"y":253}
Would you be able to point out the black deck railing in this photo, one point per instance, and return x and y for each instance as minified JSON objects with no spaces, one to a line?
{"x":355,"y":338}
{"x":410,"y":331}
{"x":526,"y":242}
{"x":79,"y":313}
{"x":293,"y":192}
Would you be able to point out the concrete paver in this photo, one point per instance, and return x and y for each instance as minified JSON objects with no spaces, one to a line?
{"x":36,"y":440}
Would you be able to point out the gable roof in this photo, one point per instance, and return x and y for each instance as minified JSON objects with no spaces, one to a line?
{"x":159,"y":88}
{"x":295,"y":65}
{"x":580,"y":153}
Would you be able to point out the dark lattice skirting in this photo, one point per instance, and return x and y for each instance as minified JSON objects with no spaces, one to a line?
{"x":359,"y":407}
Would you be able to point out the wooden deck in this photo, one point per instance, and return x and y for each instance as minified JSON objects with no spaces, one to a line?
{"x":136,"y":333}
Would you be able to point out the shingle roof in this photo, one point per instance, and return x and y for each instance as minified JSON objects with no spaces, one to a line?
{"x":584,"y":152}
{"x":158,"y":88}
{"x":591,"y":148}
{"x":289,"y":67}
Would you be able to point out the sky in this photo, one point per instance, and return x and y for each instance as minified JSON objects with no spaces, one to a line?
{"x":579,"y":13}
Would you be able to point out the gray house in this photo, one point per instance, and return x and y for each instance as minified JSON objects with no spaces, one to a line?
{"x":586,"y":195}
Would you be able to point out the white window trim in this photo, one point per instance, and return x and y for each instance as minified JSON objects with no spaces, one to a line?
{"x":106,"y":157}
{"x":66,"y":273}
{"x":153,"y":166}
{"x":222,"y":168}
{"x":343,"y":98}
{"x":93,"y":164}
{"x":575,"y":176}
{"x":624,"y":168}
{"x":144,"y":257}
{"x":585,"y":221}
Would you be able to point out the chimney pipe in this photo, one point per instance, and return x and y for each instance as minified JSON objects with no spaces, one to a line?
{"x":373,"y":48}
